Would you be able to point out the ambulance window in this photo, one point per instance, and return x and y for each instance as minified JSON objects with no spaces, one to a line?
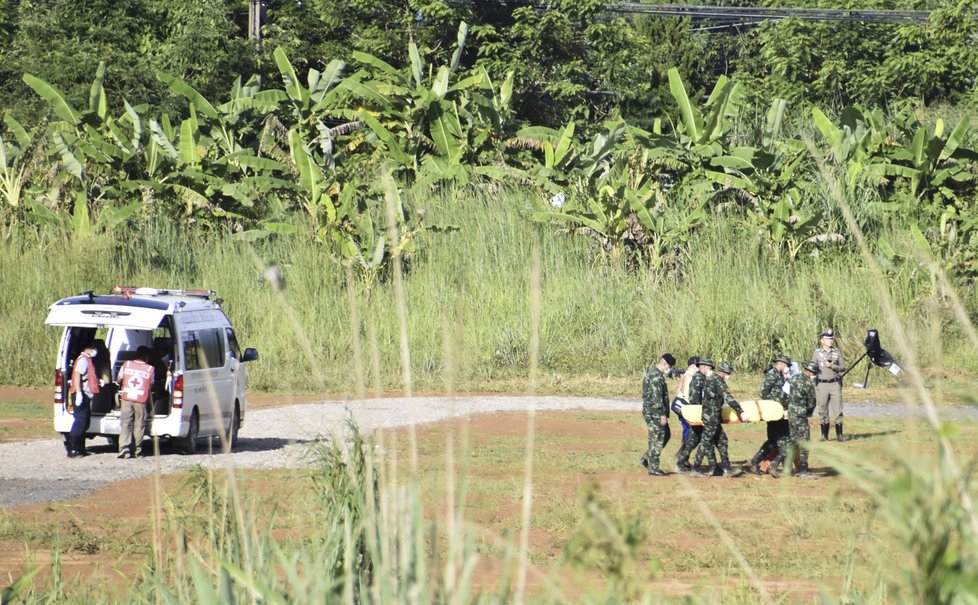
{"x":190,"y":348}
{"x":212,"y":348}
{"x":233,"y":344}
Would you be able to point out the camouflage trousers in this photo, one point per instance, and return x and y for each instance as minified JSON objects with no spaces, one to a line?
{"x":658,"y":438}
{"x":692,"y":440}
{"x":713,"y":437}
{"x":799,"y":432}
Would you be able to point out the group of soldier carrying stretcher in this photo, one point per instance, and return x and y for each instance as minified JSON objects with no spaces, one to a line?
{"x":706,"y":385}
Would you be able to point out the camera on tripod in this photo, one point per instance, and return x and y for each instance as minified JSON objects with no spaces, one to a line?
{"x":877,"y":355}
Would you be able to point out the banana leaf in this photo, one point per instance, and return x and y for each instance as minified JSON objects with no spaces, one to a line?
{"x":380,"y":64}
{"x":187,"y":91}
{"x":692,"y":120}
{"x":71,"y":163}
{"x":113,"y":216}
{"x":294,"y":88}
{"x":47,"y":92}
{"x":96,"y":96}
{"x":163,"y":142}
{"x":80,"y":221}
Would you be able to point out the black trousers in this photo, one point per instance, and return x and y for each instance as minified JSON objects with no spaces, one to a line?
{"x":83,"y":416}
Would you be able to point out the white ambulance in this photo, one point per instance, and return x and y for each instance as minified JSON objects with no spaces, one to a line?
{"x":200,"y":384}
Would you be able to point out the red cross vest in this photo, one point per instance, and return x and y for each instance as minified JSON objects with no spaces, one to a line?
{"x":91,"y":378}
{"x":136,"y":380}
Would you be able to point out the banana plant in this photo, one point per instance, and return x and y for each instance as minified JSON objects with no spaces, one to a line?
{"x":856,"y":144}
{"x":610,"y":192}
{"x":937,"y":169}
{"x":14,"y":163}
{"x":96,"y":156}
{"x":435,"y":124}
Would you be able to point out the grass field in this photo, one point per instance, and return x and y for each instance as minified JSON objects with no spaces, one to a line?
{"x":600,"y":529}
{"x":601,"y":322}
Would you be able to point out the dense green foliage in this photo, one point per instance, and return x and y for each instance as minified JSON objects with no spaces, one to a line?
{"x":341,"y":157}
{"x":571,"y":61}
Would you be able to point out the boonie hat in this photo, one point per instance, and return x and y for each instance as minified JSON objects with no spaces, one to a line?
{"x":726,"y":367}
{"x":782,"y":358}
{"x":704,"y":361}
{"x":811,"y":366}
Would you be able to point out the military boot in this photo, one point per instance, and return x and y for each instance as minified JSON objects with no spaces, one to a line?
{"x":825,"y":431}
{"x":699,"y":471}
{"x":838,"y":433}
{"x":773,"y":469}
{"x":729,"y":471}
{"x":803,"y":470}
{"x":755,"y":462}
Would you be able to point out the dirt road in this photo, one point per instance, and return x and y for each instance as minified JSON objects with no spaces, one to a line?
{"x":38,"y":471}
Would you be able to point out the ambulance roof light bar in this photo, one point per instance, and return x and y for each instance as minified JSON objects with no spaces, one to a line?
{"x":130,"y":290}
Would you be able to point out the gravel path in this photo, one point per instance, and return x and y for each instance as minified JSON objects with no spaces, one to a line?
{"x":38,"y":471}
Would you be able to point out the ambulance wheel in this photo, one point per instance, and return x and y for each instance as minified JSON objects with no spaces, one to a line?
{"x":188,"y":444}
{"x":67,"y":438}
{"x":112,"y":440}
{"x":233,"y":429}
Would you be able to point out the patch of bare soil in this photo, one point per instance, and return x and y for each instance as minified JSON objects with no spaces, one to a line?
{"x":122,"y":512}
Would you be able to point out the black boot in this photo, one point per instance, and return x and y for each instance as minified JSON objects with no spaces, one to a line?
{"x":755,"y":462}
{"x":825,"y":431}
{"x":803,"y":469}
{"x":838,"y":433}
{"x":773,"y":469}
{"x":729,"y":471}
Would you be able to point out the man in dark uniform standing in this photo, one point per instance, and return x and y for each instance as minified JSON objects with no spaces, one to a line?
{"x":828,"y":384}
{"x":655,"y":411}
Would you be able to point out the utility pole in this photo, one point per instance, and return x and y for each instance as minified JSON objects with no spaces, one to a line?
{"x":254,"y":20}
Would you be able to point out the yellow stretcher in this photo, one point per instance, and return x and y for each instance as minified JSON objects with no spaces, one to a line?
{"x":756,"y":410}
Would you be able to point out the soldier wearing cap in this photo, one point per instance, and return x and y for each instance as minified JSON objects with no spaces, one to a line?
{"x":801,"y":405}
{"x":828,"y":383}
{"x":655,"y":411}
{"x":715,"y":394}
{"x":696,"y":385}
{"x":773,"y":388}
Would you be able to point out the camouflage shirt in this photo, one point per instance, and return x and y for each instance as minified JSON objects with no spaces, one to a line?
{"x":771,"y":387}
{"x":715,"y":394}
{"x":655,"y":396}
{"x":728,"y":398}
{"x":801,"y":402}
{"x":696,"y":388}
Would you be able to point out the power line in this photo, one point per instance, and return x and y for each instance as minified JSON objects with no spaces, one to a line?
{"x":758,"y":13}
{"x":726,"y":16}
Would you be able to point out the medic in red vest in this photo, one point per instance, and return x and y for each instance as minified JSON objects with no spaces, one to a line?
{"x":135,"y":380}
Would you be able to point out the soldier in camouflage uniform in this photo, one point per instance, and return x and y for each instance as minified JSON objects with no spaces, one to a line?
{"x":801,"y":405}
{"x":773,"y":389}
{"x":696,"y":384}
{"x":655,"y":411}
{"x":715,"y":394}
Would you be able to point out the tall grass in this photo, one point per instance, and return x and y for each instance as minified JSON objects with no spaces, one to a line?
{"x":734,"y":299}
{"x":368,"y":538}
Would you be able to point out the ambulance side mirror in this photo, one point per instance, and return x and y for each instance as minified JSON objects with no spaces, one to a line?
{"x":249,"y":355}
